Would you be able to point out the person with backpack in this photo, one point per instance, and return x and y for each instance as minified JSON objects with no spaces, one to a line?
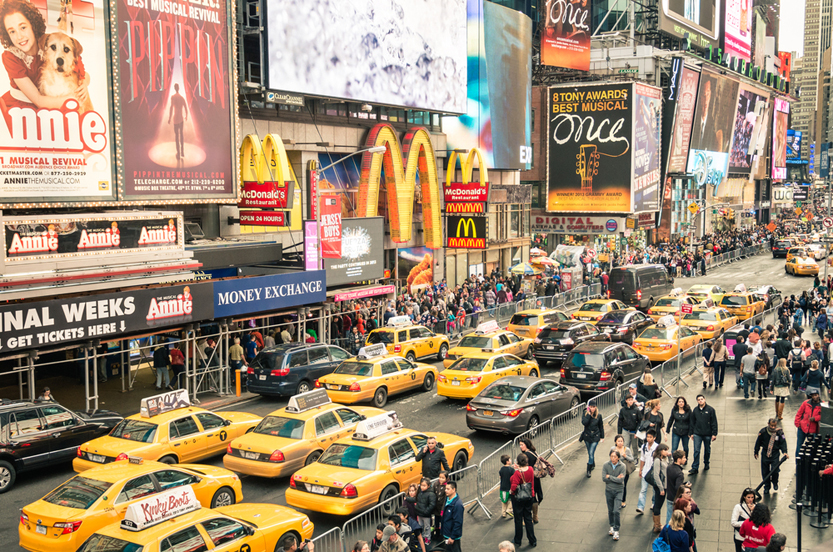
{"x":613,"y":475}
{"x":781,"y":386}
{"x":795,"y":360}
{"x":523,"y":497}
{"x":762,"y":375}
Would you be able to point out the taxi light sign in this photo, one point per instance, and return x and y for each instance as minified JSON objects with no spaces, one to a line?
{"x":158,"y":508}
{"x":159,"y":404}
{"x":373,"y":351}
{"x":308,"y":400}
{"x":487,"y":327}
{"x":377,"y":425}
{"x":665,"y":321}
{"x":400,"y":321}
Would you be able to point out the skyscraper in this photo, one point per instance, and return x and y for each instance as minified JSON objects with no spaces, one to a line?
{"x":818,"y":17}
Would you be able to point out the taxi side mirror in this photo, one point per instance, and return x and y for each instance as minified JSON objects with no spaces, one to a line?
{"x":362,"y":417}
{"x":226,"y":422}
{"x":250,"y":531}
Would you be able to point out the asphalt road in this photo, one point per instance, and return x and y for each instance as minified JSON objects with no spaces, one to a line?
{"x":422,"y":411}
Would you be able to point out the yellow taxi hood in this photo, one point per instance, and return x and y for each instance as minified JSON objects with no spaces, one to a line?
{"x":263,"y":443}
{"x":241,"y":417}
{"x":113,"y":446}
{"x":341,"y":379}
{"x":47,"y":514}
{"x":260,"y":514}
{"x":322,"y":474}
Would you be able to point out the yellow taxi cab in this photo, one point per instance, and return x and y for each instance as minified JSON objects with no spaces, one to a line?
{"x":401,"y":337}
{"x":295,"y":436}
{"x":488,"y":335}
{"x":797,"y":252}
{"x":380,"y":460}
{"x":659,"y":342}
{"x":374,"y":375}
{"x":174,"y":522}
{"x":702,"y":292}
{"x":529,"y":323}
{"x":167,"y":429}
{"x":593,"y":310}
{"x":64,"y":518}
{"x":670,"y":304}
{"x":801,"y":266}
{"x":709,"y":322}
{"x":743,"y":304}
{"x":472,"y":373}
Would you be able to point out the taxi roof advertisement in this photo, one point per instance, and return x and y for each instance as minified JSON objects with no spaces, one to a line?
{"x":593,"y":125}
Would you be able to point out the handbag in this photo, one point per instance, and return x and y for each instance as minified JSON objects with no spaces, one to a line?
{"x":660,"y":544}
{"x":523,"y":492}
{"x":630,"y":465}
{"x":543,"y":468}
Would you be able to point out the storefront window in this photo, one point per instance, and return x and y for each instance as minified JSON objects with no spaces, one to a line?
{"x":515,"y":221}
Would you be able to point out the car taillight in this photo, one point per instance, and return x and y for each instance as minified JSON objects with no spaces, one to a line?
{"x":710,"y":328}
{"x":355,"y":386}
{"x":513,"y":413}
{"x":68,"y":527}
{"x":292,"y":483}
{"x":639,"y":294}
{"x":441,"y":378}
{"x":650,"y":311}
{"x":281,"y":372}
{"x":540,"y":330}
{"x":250,"y":370}
{"x":122,"y":456}
{"x":470,"y":408}
{"x":79,"y":453}
{"x":349,"y":491}
{"x":563,"y":373}
{"x":567,"y":341}
{"x":573,"y":316}
{"x":537,"y":340}
{"x":667,"y":346}
{"x":317,"y":384}
{"x":604,"y":376}
{"x":228,"y":449}
{"x":600,"y":317}
{"x":24,"y":518}
{"x":473,"y":379}
{"x":748,"y":309}
{"x":277,"y":456}
{"x":397,"y":348}
{"x":608,"y":294}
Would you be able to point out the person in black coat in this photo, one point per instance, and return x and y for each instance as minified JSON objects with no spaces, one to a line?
{"x":433,"y":459}
{"x":772,"y":443}
{"x":528,"y":449}
{"x":680,"y":421}
{"x":703,"y":431}
{"x":593,"y":434}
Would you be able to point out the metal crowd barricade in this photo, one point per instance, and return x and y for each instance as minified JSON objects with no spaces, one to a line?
{"x":363,"y":526}
{"x":540,"y":436}
{"x":332,"y":541}
{"x":468,"y":488}
{"x":490,"y":466}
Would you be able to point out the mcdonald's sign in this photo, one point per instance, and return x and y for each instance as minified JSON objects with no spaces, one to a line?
{"x":401,"y":167}
{"x":466,"y":232}
{"x":268,"y":181}
{"x":466,"y":196}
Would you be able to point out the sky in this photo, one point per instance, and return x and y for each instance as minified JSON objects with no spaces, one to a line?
{"x":792,"y":26}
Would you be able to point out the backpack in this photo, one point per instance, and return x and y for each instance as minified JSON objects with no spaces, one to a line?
{"x":660,"y":544}
{"x":796,"y":364}
{"x":762,"y":369}
{"x":780,"y":378}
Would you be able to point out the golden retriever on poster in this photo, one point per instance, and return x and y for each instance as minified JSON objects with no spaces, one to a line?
{"x":59,"y":74}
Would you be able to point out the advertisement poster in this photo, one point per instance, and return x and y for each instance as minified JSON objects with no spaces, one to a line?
{"x":176,"y":110}
{"x":695,"y":20}
{"x":416,"y":266}
{"x":737,"y":40}
{"x":779,"y":139}
{"x":750,"y":108}
{"x":786,"y":64}
{"x":824,"y":168}
{"x":794,"y":146}
{"x":362,"y":252}
{"x":592,"y":125}
{"x":681,"y":131}
{"x":565,"y":40}
{"x":646,"y":147}
{"x":330,"y":226}
{"x":62,"y":150}
{"x":310,"y":245}
{"x":711,"y":131}
{"x":343,"y":179}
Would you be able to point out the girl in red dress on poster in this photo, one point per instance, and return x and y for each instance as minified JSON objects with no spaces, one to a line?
{"x":23,"y":28}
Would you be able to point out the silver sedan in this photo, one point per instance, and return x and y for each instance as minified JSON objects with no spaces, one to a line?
{"x":515,"y":404}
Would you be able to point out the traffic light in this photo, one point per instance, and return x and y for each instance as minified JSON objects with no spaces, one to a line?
{"x":731,"y":214}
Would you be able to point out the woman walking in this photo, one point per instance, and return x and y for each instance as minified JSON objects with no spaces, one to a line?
{"x":679,"y":423}
{"x":593,"y":433}
{"x":626,"y":457}
{"x":654,"y":417}
{"x":659,"y":481}
{"x":781,"y":386}
{"x":719,"y":362}
{"x":523,"y":497}
{"x":708,"y":365}
{"x":762,"y":369}
{"x":528,"y":449}
{"x":741,"y":512}
{"x":614,"y":473}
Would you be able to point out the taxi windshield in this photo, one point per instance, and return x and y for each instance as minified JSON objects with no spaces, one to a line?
{"x":134,"y":430}
{"x":667,"y":303}
{"x":382,"y":336}
{"x":349,"y":456}
{"x":466,"y":364}
{"x":734,"y":300}
{"x":595,"y":307}
{"x":524,"y":320}
{"x":103,"y":543}
{"x":701,"y":315}
{"x":78,"y":492}
{"x":503,"y":392}
{"x":476,"y":342}
{"x":353,"y":368}
{"x":278,"y":426}
{"x":655,"y":333}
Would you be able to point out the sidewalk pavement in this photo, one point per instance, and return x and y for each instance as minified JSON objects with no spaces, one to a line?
{"x":574,"y":511}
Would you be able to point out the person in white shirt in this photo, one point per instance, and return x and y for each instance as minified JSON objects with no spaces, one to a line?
{"x":646,"y":463}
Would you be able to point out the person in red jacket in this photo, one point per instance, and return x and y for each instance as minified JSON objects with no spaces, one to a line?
{"x":757,"y":530}
{"x":523,"y":507}
{"x":807,"y":418}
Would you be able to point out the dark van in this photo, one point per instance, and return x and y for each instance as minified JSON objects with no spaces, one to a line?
{"x":640,"y":285}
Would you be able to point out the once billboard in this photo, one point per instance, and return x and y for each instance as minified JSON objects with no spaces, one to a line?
{"x":397,"y":52}
{"x":55,"y":133}
{"x":647,"y":127}
{"x":780,"y":118}
{"x":592,"y":125}
{"x":565,"y":40}
{"x":362,"y":252}
{"x":177,"y":102}
{"x":737,"y":38}
{"x":695,"y":20}
{"x":749,"y":115}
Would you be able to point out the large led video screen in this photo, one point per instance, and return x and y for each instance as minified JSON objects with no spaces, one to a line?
{"x":779,"y":139}
{"x":711,"y":130}
{"x":409,"y":53}
{"x":748,"y":116}
{"x":697,"y":20}
{"x":737,"y":38}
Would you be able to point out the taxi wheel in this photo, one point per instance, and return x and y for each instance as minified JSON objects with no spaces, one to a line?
{"x":428,"y":382}
{"x":279,"y":544}
{"x":460,"y":461}
{"x":529,"y":353}
{"x":389,"y":492}
{"x":312,"y":458}
{"x":533,"y":373}
{"x":168,"y":460}
{"x":380,"y":398}
{"x":411,"y":356}
{"x":7,"y":476}
{"x":443,"y":352}
{"x":223,"y":497}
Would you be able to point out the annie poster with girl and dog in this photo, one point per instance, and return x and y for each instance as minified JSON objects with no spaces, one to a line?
{"x":55,"y":135}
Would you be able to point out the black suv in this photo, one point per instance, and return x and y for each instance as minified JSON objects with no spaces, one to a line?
{"x":555,"y":341}
{"x":596,"y":367}
{"x":292,"y":368}
{"x":623,"y":325}
{"x":40,"y":433}
{"x":780,"y":248}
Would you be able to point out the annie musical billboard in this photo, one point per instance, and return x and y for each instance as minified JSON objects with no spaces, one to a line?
{"x":55,"y":135}
{"x":176,"y":110}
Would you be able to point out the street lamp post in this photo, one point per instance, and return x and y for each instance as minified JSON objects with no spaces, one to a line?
{"x":318,"y":172}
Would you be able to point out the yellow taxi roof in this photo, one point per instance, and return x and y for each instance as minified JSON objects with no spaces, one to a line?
{"x":490,"y":334}
{"x":601,"y":301}
{"x":537,"y":311}
{"x":155,"y":532}
{"x":116,"y":471}
{"x":307,"y":414}
{"x":395,"y":328}
{"x":484,"y":354}
{"x":167,"y":416}
{"x":706,"y":287}
{"x":381,"y":441}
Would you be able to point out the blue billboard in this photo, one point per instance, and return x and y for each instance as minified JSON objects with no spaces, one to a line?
{"x":268,"y":293}
{"x":793,"y":146}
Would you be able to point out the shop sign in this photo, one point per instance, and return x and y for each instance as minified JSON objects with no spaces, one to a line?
{"x":63,"y":236}
{"x":467,"y":232}
{"x":330,"y":226}
{"x":268,"y":182}
{"x":105,"y":316}
{"x":270,"y":195}
{"x":466,"y":196}
{"x":311,"y":245}
{"x":312,"y":189}
{"x":545,"y":224}
{"x":241,"y":296}
{"x":362,"y":293}
{"x":630,"y":223}
{"x":646,"y":220}
{"x":264,"y":218}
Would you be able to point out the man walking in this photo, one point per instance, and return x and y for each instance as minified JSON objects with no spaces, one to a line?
{"x":646,"y":464}
{"x":772,"y":442}
{"x":738,"y":351}
{"x":452,"y":526}
{"x":674,"y":478}
{"x":747,"y":366}
{"x":433,"y":459}
{"x":629,"y":418}
{"x":703,"y":431}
